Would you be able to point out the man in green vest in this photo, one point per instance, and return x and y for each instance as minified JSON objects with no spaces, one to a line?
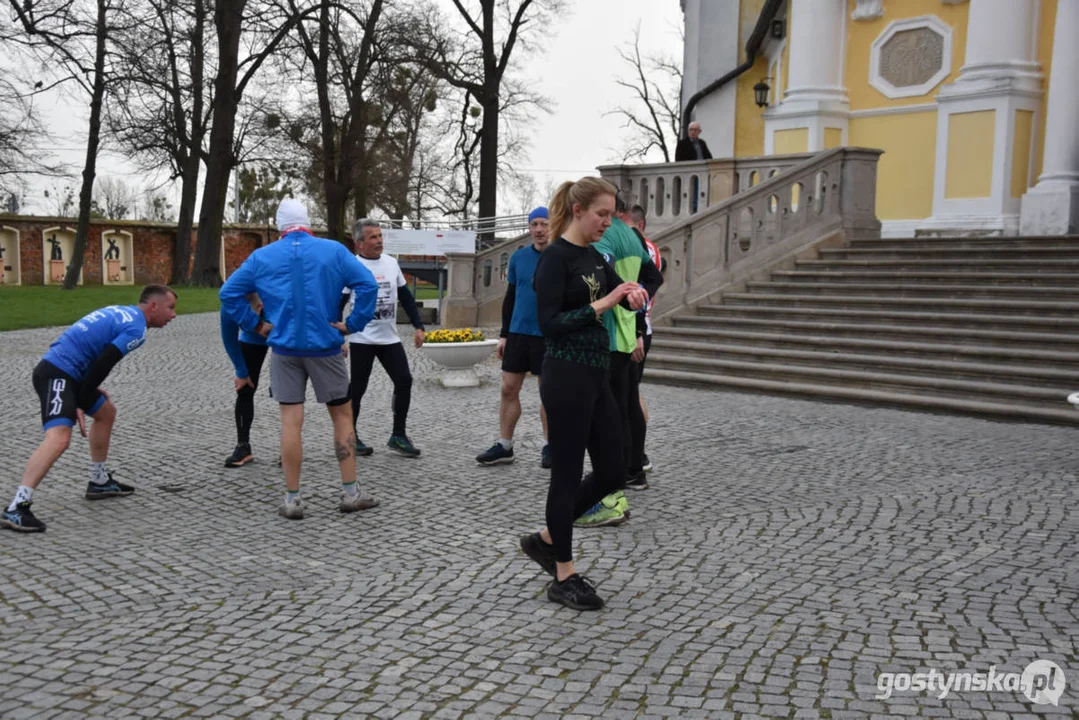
{"x":621,"y":248}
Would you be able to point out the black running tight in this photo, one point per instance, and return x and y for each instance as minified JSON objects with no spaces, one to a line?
{"x":625,"y":385}
{"x":245,"y":398}
{"x":395,"y":362}
{"x":581,"y":415}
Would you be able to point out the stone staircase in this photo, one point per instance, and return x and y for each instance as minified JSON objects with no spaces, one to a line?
{"x":986,"y":326}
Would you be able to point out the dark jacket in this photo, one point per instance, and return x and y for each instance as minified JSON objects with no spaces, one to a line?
{"x":684,"y":150}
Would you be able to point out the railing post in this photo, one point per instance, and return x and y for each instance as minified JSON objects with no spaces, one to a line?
{"x":459,"y":307}
{"x":858,"y":192}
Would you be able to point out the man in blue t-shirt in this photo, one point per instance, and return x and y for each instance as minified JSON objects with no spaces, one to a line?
{"x":67,"y":381}
{"x":520,"y":345}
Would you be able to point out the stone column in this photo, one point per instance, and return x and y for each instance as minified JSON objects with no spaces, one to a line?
{"x":1052,"y":208}
{"x":815,"y":98}
{"x":986,"y":121}
{"x":459,"y":306}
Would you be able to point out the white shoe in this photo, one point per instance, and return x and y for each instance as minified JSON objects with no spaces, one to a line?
{"x":359,"y":501}
{"x":291,"y":510}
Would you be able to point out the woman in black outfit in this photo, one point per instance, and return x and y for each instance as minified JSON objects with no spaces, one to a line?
{"x":574,"y":287}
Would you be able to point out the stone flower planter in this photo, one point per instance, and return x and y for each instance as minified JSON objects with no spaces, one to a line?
{"x":459,"y":359}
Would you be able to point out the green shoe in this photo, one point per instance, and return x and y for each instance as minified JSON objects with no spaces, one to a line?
{"x":401,"y":445}
{"x":607,"y":511}
{"x":623,"y":502}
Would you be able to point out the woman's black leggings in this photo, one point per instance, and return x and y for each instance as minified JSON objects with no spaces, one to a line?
{"x":581,"y":415}
{"x":395,"y":362}
{"x":245,"y":398}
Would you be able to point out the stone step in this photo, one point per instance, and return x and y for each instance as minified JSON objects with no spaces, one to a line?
{"x":978,"y":352}
{"x":969,"y":368}
{"x":967,"y":242}
{"x":894,"y":381}
{"x":1010,"y":265}
{"x":914,"y":401}
{"x":947,"y":251}
{"x":920,"y":304}
{"x":986,"y":279}
{"x":830,"y":313}
{"x":956,"y":333}
{"x":1033,"y":292}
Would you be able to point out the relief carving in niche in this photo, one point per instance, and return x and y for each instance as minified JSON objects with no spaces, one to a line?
{"x":868,"y":10}
{"x":911,"y":57}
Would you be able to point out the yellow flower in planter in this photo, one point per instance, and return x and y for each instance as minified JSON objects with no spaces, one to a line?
{"x":456,"y":335}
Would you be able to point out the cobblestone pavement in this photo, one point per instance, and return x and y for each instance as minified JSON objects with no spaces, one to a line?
{"x":787,"y":553}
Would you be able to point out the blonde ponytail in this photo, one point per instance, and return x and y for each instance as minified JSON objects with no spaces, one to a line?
{"x":583,"y":192}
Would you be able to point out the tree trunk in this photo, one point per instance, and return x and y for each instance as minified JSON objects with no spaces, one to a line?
{"x":93,"y":140}
{"x":185,"y":222}
{"x":228,"y":18}
{"x":488,"y":195}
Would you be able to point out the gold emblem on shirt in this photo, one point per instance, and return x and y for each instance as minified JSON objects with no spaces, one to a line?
{"x":593,"y":287}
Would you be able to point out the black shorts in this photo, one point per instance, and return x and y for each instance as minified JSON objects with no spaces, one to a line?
{"x":61,"y":396}
{"x":524,"y":353}
{"x":647,"y":347}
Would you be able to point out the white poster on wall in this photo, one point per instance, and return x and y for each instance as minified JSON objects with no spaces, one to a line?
{"x":428,"y":242}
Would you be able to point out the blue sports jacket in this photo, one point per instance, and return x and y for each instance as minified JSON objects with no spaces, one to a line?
{"x":299,"y":279}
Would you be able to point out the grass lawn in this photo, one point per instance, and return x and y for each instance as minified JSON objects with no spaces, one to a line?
{"x":47,"y":305}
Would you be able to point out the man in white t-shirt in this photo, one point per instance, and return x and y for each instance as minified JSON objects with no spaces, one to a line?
{"x":379,"y":338}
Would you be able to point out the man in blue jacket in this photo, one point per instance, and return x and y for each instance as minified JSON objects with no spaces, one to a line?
{"x":299,"y":279}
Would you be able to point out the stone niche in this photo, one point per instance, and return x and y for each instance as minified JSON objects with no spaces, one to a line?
{"x":57,"y":249}
{"x":10,"y":262}
{"x":117,"y":258}
{"x":911,"y":57}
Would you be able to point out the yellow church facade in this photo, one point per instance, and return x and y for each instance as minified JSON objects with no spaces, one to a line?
{"x":974,"y":102}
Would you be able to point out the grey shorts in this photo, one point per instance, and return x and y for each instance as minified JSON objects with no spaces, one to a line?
{"x":289,"y":373}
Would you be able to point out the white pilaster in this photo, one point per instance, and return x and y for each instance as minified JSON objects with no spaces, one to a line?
{"x":815,"y":97}
{"x":1000,"y":74}
{"x":1052,"y":208}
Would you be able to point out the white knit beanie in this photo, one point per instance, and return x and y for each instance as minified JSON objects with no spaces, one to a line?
{"x":292,"y":213}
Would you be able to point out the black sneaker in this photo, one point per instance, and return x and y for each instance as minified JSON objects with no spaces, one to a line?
{"x":540,"y":552}
{"x":112,"y":488}
{"x":401,"y":445}
{"x":646,"y":464}
{"x":575,"y":592}
{"x":240,"y":456}
{"x":545,"y":457}
{"x":497,"y":454}
{"x":363,"y":450}
{"x":21,"y":519}
{"x":637,"y":482}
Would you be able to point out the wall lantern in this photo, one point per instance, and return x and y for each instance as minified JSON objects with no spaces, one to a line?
{"x":760,"y":93}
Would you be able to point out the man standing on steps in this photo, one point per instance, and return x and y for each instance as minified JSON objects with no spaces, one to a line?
{"x":521,"y":345}
{"x":299,"y":280}
{"x":380,"y":340}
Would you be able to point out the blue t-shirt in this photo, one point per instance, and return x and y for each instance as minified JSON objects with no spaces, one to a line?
{"x":522,"y":268}
{"x":122,"y":325}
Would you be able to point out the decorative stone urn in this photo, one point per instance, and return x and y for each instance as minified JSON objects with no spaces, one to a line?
{"x":459,"y":360}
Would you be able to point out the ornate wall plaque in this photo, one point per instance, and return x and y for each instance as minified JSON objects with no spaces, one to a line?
{"x":911,"y":57}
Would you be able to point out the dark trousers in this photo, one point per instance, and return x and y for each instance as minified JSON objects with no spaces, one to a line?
{"x":395,"y":363}
{"x":254,"y":355}
{"x":581,"y":415}
{"x":625,"y":381}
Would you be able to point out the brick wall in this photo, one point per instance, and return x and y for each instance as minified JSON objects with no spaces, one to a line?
{"x":151,"y":244}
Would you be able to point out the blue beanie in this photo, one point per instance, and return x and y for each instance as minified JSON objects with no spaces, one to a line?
{"x":540,"y":212}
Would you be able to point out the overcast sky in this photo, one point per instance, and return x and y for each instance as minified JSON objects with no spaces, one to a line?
{"x":576,"y":67}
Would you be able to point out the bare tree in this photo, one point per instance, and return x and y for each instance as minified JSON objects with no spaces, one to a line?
{"x":655,"y":113}
{"x":161,"y":115}
{"x":114,"y":199}
{"x":23,"y":140}
{"x":60,"y":200}
{"x":72,"y":36}
{"x":267,"y":24}
{"x":477,"y":62}
{"x":156,"y":207}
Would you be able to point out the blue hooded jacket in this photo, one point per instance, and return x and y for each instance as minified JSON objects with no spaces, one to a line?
{"x":299,"y":279}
